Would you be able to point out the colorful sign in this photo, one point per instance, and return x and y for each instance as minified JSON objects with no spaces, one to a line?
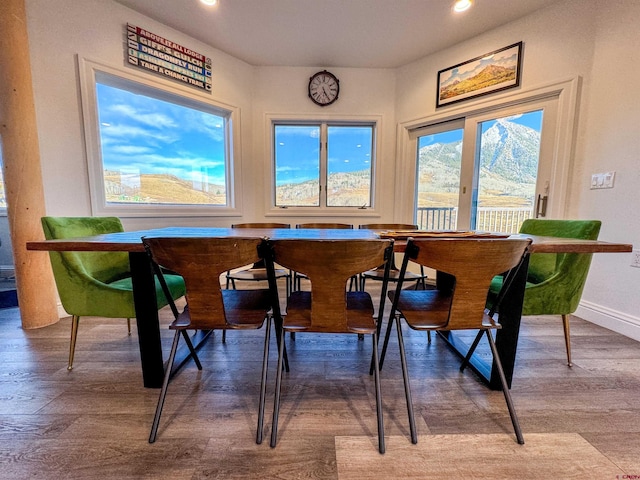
{"x":157,"y":54}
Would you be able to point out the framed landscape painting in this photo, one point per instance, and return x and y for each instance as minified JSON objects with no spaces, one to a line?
{"x":488,"y":73}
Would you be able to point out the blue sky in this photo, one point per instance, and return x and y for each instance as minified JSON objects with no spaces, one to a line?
{"x":140,"y":134}
{"x":298,"y":153}
{"x":506,"y":58}
{"x":531,"y":119}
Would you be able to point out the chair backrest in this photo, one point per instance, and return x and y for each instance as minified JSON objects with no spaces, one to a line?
{"x":261,"y":225}
{"x":329,"y":264}
{"x":73,"y":270}
{"x":566,"y":273}
{"x":389,"y":226}
{"x":201,"y":261}
{"x":344,"y":226}
{"x":473,"y":262}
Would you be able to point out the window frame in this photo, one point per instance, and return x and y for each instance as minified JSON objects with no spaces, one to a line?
{"x":323,"y":121}
{"x":90,"y":72}
{"x":565,"y":92}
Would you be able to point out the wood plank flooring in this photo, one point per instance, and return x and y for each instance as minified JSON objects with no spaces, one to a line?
{"x":93,"y":422}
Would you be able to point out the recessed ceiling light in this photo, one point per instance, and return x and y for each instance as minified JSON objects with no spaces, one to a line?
{"x":462,"y":5}
{"x":210,"y":2}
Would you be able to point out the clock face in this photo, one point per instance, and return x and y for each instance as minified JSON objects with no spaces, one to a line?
{"x":324,"y":88}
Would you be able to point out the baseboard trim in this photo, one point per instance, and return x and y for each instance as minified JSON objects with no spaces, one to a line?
{"x":61,"y":311}
{"x":627,"y":325}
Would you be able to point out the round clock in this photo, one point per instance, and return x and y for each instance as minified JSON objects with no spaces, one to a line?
{"x":324,"y":88}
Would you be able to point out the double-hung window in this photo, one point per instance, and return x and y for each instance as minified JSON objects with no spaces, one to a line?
{"x":323,"y":164}
{"x":156,"y":150}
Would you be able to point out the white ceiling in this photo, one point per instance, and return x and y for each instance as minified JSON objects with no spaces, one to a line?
{"x":332,"y":33}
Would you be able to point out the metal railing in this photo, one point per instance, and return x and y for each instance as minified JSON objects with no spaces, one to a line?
{"x":490,"y":219}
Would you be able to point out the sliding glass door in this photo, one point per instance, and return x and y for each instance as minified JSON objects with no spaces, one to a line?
{"x":485,"y":172}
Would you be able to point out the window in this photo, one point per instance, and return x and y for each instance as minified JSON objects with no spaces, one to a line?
{"x":323,"y":164}
{"x":157,"y":151}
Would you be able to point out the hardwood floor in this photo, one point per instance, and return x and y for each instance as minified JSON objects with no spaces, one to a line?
{"x":93,"y":422}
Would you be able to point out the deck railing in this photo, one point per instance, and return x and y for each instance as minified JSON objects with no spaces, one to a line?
{"x":489,"y":219}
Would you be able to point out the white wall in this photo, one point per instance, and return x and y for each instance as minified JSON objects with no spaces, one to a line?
{"x":611,"y":142}
{"x":596,"y":41}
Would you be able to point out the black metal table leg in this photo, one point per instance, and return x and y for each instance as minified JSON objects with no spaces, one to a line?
{"x":144,"y":298}
{"x":506,"y":338}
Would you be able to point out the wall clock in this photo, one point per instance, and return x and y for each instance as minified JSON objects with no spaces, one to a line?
{"x":324,"y":88}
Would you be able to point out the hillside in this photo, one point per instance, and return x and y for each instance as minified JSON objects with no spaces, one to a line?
{"x":160,"y":188}
{"x":508,"y":168}
{"x":346,"y":189}
{"x":490,"y":75}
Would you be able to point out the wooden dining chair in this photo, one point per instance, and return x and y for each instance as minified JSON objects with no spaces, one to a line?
{"x":210,"y":307}
{"x":325,"y":225}
{"x":394,"y":271}
{"x":329,"y":307}
{"x":471,"y":263}
{"x":256,"y":272}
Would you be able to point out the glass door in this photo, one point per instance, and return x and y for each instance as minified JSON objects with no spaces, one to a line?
{"x":485,"y":172}
{"x":438,"y":170}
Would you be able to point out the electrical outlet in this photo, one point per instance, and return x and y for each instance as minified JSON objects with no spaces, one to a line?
{"x":635,"y":258}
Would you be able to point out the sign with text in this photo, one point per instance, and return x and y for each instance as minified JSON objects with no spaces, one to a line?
{"x":153,"y":53}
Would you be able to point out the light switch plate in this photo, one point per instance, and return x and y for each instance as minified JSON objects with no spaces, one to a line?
{"x":602,"y":180}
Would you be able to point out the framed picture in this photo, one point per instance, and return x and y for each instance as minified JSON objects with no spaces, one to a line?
{"x":488,"y":73}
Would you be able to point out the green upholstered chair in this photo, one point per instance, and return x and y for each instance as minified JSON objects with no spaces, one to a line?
{"x":96,"y":284}
{"x":555,"y":281}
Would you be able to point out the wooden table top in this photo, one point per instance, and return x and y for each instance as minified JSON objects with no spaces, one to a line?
{"x":131,"y":241}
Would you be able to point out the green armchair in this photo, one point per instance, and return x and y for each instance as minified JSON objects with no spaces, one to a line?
{"x":555,"y":281}
{"x":96,"y":284}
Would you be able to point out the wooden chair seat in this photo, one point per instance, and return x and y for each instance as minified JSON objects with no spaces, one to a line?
{"x":244,"y":310}
{"x":430,"y":310}
{"x":359,"y":313}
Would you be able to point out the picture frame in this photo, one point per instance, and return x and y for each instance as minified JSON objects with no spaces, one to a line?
{"x":489,"y":73}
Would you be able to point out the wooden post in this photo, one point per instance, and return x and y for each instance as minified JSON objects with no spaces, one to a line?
{"x":22,"y":173}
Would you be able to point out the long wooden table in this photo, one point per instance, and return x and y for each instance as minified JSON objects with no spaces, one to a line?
{"x":145,"y":297}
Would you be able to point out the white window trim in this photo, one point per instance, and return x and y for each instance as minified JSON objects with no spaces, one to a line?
{"x":271,"y":210}
{"x":565,"y":90}
{"x":99,"y":207}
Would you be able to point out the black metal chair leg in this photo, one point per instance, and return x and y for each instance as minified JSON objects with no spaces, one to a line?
{"x":276,"y":401}
{"x":386,"y":338}
{"x":472,"y":349}
{"x":191,"y":349}
{"x":505,"y":389}
{"x":381,"y":444}
{"x":280,"y":333}
{"x":407,"y":386}
{"x":263,"y":382}
{"x":165,"y":385}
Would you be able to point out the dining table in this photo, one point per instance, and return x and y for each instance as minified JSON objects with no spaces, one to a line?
{"x":148,"y":324}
